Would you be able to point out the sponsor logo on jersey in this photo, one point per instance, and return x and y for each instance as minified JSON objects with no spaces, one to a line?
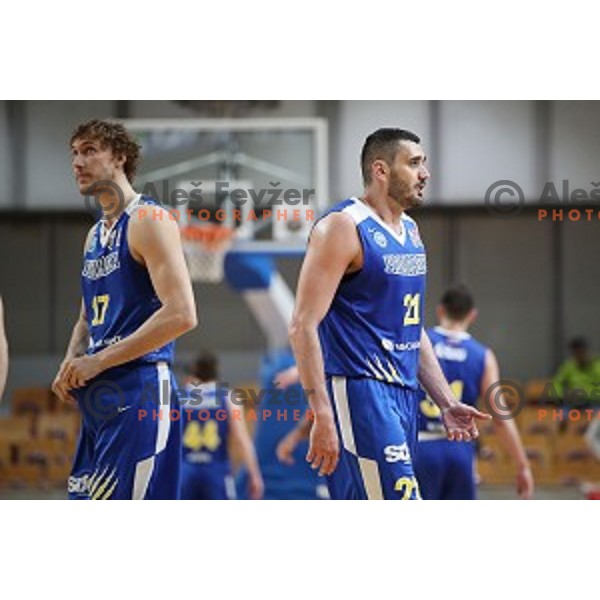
{"x":78,"y":485}
{"x":97,"y":487}
{"x":387,"y":345}
{"x":93,"y":345}
{"x":408,"y":265}
{"x":378,"y":237}
{"x":390,"y":346}
{"x":397,"y":453}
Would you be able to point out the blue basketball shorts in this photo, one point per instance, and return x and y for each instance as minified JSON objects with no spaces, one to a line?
{"x":207,"y":482}
{"x":129,"y":445}
{"x":377,"y":428}
{"x":445,"y":469}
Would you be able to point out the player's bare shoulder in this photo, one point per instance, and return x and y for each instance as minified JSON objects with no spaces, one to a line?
{"x":335,"y":235}
{"x":152,"y":230}
{"x":146,"y":218}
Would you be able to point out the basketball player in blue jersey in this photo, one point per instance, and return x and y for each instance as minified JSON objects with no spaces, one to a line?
{"x":445,"y":470}
{"x":214,"y":423}
{"x":137,"y":298}
{"x":357,"y":330}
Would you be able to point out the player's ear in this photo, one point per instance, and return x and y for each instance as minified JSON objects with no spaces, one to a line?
{"x":440,"y":313}
{"x":379,"y":169}
{"x":472,"y":317}
{"x":120,"y":160}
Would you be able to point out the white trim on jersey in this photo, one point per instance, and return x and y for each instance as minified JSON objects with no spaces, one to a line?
{"x":340,"y":398}
{"x":230,"y":487}
{"x":358,"y":211}
{"x":459,"y":335}
{"x":145,"y":468}
{"x":368,"y":467}
{"x":365,"y":211}
{"x":105,"y":233}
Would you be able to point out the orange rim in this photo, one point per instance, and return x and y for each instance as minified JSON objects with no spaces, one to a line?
{"x":207,"y":234}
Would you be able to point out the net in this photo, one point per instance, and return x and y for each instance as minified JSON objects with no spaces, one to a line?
{"x":205,"y":246}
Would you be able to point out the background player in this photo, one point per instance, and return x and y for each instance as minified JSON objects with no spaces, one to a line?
{"x":576,"y":380}
{"x":445,"y":470}
{"x":365,"y":259}
{"x":206,"y":468}
{"x":3,"y":352}
{"x":137,"y":298}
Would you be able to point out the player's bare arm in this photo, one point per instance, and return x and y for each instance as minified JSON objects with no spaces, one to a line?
{"x":506,"y":430}
{"x":333,"y":250}
{"x":78,"y":343}
{"x":76,"y":348}
{"x":3,"y":352}
{"x":156,"y":244}
{"x":243,"y":442}
{"x":287,"y":446}
{"x":459,"y":419}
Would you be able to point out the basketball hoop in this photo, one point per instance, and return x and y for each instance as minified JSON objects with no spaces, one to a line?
{"x":205,"y":246}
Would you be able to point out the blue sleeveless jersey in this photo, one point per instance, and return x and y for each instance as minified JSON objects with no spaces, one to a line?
{"x":117,"y":291}
{"x":373,"y":327}
{"x":206,"y":428}
{"x":462,"y":359}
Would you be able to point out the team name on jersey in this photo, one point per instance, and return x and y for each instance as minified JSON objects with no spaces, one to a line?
{"x":97,"y":268}
{"x":450,"y":353}
{"x":407,"y":265}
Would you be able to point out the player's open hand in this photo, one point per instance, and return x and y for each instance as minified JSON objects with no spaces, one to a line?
{"x":324,"y":450}
{"x":80,"y":370}
{"x":460,"y":421}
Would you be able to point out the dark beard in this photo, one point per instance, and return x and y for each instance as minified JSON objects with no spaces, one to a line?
{"x":414,"y":202}
{"x":400,"y":193}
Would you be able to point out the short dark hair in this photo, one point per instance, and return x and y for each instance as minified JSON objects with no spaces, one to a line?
{"x":579,"y":343}
{"x":206,"y":367}
{"x":458,"y":302}
{"x":383,"y":145}
{"x":115,"y":136}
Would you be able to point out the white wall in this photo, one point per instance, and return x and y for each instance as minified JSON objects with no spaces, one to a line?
{"x":575,"y":150}
{"x":483,"y":142}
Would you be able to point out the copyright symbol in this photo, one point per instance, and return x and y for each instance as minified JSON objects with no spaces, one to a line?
{"x":104,"y":400}
{"x":504,"y":399}
{"x":500,"y":199}
{"x":112,"y":196}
